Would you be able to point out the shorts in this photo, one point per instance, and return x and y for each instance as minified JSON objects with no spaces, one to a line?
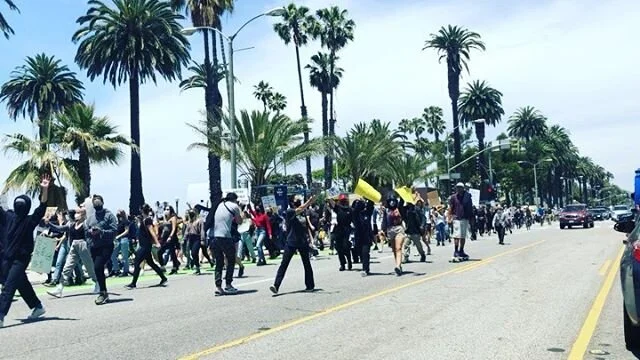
{"x":460,"y":229}
{"x":428,"y":227}
{"x":393,"y":232}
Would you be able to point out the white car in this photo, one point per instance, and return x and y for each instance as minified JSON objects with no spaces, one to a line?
{"x":619,"y":210}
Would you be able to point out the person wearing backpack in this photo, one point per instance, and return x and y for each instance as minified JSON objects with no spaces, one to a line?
{"x":460,"y":215}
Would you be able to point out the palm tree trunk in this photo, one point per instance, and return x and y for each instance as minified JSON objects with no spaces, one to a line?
{"x":136,"y":199}
{"x":84,"y":172}
{"x":303,"y":113}
{"x":213,"y":103}
{"x":43,"y":130}
{"x":454,"y":94}
{"x":332,"y":121}
{"x":325,"y":133}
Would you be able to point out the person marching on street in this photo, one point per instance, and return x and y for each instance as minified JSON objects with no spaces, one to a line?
{"x":101,"y":229}
{"x":297,"y":240}
{"x":194,"y":237}
{"x":147,"y":240}
{"x":219,"y":228}
{"x":18,"y":249}
{"x":413,"y":221}
{"x":362,"y":212}
{"x":342,"y":230}
{"x":395,"y":231}
{"x":500,"y":223}
{"x":460,"y":214}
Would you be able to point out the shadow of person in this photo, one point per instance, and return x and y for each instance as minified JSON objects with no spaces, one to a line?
{"x":43,"y":318}
{"x":242,"y":292}
{"x":298,"y":292}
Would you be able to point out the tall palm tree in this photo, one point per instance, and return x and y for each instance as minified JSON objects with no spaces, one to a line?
{"x":278,"y":102}
{"x":208,"y":13}
{"x":265,"y":140}
{"x":481,"y":101}
{"x":39,"y":160}
{"x":263,"y":92}
{"x":323,"y":78}
{"x":455,"y":44}
{"x":527,"y":123}
{"x":434,"y":122}
{"x":39,"y":89}
{"x":409,"y":168}
{"x":297,"y":23}
{"x":5,"y":28}
{"x":94,"y":139}
{"x":134,"y":42}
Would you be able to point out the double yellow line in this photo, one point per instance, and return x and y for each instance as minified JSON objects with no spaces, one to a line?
{"x":349,"y":304}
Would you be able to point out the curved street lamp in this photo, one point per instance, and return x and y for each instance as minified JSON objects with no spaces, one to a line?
{"x":230,"y":76}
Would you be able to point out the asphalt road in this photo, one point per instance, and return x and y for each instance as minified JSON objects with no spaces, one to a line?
{"x":529,"y":299}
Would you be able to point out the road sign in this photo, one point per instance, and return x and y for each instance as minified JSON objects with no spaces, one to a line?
{"x":454,"y":176}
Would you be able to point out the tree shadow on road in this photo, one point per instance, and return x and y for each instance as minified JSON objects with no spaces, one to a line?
{"x":44,"y":318}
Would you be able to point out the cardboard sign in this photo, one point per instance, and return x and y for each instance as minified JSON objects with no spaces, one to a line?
{"x":475,"y":196}
{"x":433,"y":198}
{"x":43,"y":254}
{"x":333,"y":193}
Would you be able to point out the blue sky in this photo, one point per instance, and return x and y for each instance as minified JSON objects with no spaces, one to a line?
{"x":573,"y":60}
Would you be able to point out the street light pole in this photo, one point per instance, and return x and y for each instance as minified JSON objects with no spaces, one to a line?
{"x":230,"y":81}
{"x":535,"y":175}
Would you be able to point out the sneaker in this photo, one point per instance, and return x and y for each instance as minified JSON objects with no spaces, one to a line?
{"x":51,"y":284}
{"x":219,"y":291}
{"x":96,"y":288}
{"x":125,"y":274}
{"x":57,"y":292}
{"x":341,"y":268}
{"x":130,"y":287}
{"x":37,"y":312}
{"x":241,"y":272}
{"x":229,"y":289}
{"x":364,"y":274}
{"x":309,"y":289}
{"x":163,"y":282}
{"x":274,"y":289}
{"x":103,"y":298}
{"x":423,"y":258}
{"x":197,"y":272}
{"x":398,"y":271}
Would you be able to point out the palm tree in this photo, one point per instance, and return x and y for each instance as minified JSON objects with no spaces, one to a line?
{"x":39,"y":89}
{"x":481,"y":101}
{"x":278,"y":102}
{"x":324,"y":79}
{"x":199,"y":78}
{"x":4,"y":25}
{"x":208,"y":13}
{"x":94,"y":139}
{"x":296,"y":25}
{"x":409,"y":168}
{"x":265,"y":140}
{"x":434,"y":122}
{"x":263,"y":92}
{"x":455,"y":44}
{"x":527,"y":123}
{"x":39,"y":160}
{"x":133,"y":42}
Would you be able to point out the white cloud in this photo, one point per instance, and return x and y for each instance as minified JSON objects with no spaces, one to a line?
{"x":574,"y":60}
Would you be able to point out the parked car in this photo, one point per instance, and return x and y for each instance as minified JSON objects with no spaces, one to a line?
{"x":620,"y":210}
{"x":575,"y":215}
{"x":630,"y":279}
{"x":599,"y":213}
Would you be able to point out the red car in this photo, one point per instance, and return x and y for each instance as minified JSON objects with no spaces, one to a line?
{"x":575,"y":215}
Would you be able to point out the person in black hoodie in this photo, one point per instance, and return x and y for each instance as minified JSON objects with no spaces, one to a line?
{"x":342,"y":230}
{"x":362,"y":212}
{"x":18,"y":248}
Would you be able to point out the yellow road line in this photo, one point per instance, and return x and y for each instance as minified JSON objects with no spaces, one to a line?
{"x":343,"y":306}
{"x":588,"y":328}
{"x":604,"y":267}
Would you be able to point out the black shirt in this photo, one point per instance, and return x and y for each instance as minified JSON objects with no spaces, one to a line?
{"x":343,"y":219}
{"x":123,"y":225}
{"x":296,"y":229}
{"x":413,"y":222}
{"x":145,"y":239}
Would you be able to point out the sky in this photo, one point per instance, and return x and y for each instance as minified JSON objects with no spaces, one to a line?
{"x":573,"y":60}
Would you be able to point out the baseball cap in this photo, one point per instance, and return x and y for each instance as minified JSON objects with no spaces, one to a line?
{"x":342,"y":197}
{"x":459,"y":184}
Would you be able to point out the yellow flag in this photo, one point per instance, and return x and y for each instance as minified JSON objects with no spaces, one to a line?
{"x":367,"y":191}
{"x":406,"y":194}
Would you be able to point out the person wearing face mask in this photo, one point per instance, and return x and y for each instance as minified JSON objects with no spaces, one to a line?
{"x":147,"y":240}
{"x":121,"y":245}
{"x":362,"y":212}
{"x":63,"y":247}
{"x":18,"y":248}
{"x":342,"y":230}
{"x":78,"y":250}
{"x":194,"y":236}
{"x":168,"y":233}
{"x":101,"y":229}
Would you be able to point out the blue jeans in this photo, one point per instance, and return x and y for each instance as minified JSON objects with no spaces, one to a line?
{"x":60,"y":261}
{"x":121,"y":245}
{"x":261,"y":235}
{"x":440,"y":232}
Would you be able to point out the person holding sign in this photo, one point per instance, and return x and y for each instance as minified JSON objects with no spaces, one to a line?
{"x":19,"y":245}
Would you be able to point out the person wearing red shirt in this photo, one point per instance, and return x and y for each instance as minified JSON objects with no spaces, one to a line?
{"x":263,"y":229}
